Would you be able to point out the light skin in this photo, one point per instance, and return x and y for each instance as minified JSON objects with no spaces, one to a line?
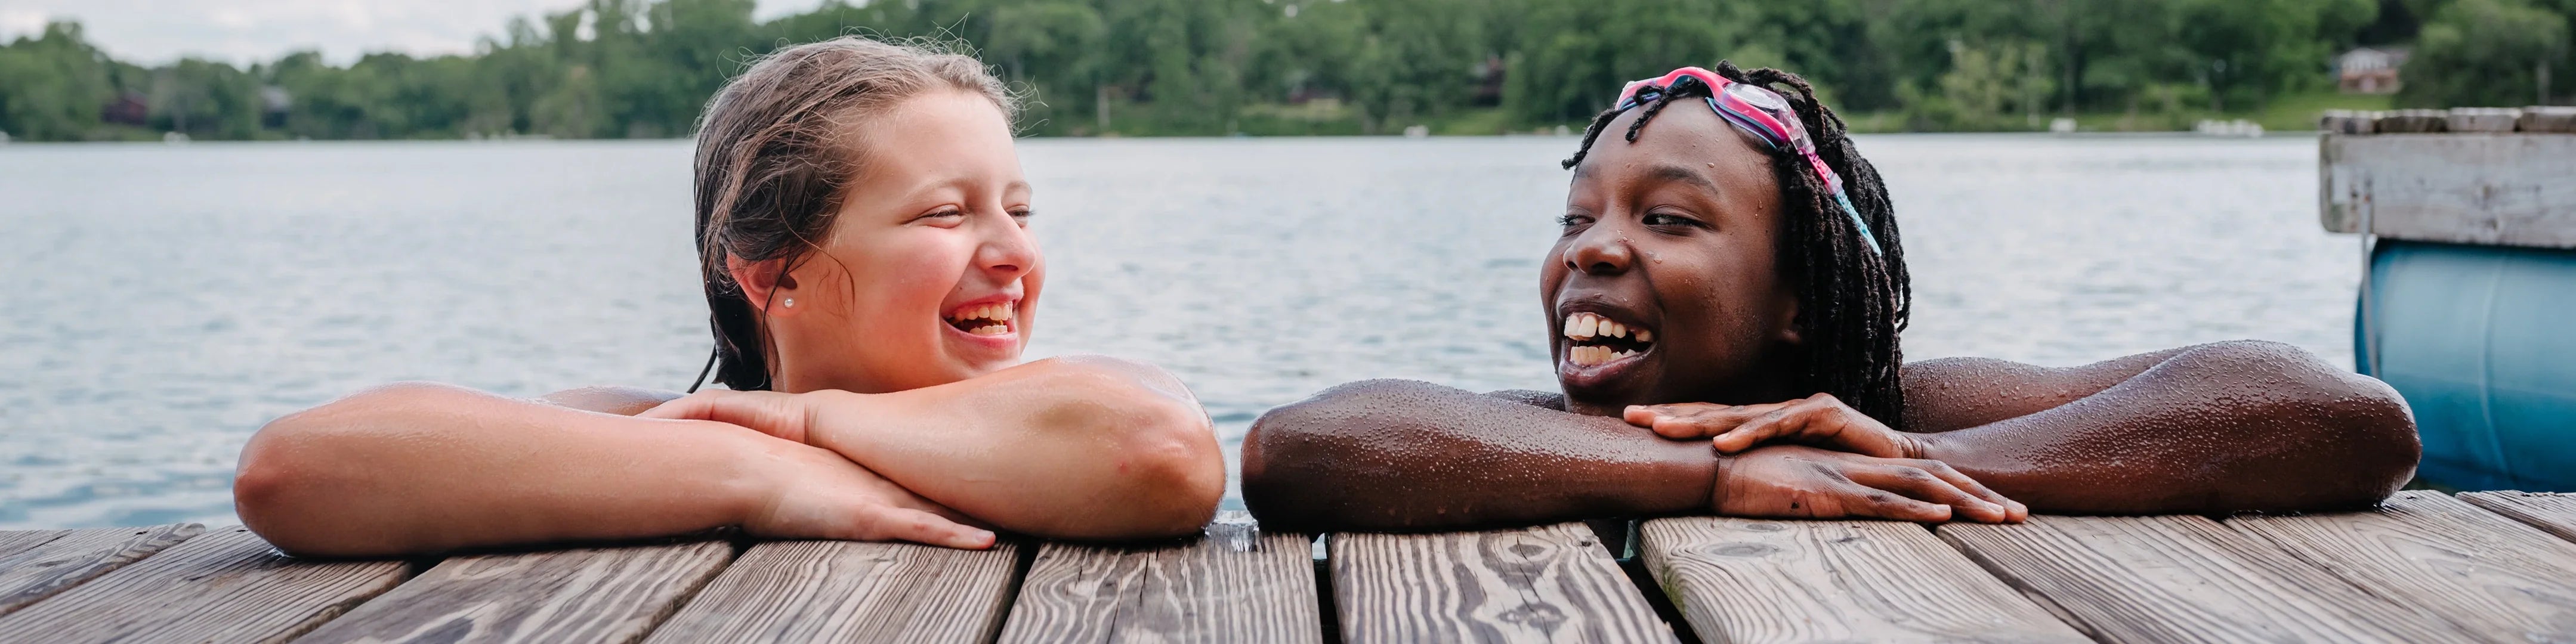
{"x":1676,"y":236}
{"x":900,"y":409}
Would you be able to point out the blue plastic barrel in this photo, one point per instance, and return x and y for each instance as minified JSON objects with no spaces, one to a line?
{"x":2481,"y":340}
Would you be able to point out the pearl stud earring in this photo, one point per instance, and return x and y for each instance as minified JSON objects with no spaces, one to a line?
{"x":791,"y":302}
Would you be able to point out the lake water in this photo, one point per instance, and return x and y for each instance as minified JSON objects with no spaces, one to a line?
{"x":161,"y":303}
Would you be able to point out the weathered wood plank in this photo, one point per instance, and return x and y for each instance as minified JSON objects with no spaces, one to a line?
{"x":224,"y":586}
{"x":2478,"y":188}
{"x":37,"y":565}
{"x":2554,"y":512}
{"x":16,"y":541}
{"x":1200,"y":591}
{"x":573,"y":595}
{"x":1543,"y":584}
{"x":2487,"y":574}
{"x":2184,"y":579}
{"x":847,"y":591}
{"x":1747,"y":581}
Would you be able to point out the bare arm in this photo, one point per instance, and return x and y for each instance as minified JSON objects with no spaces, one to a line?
{"x":1396,"y":455}
{"x":425,"y":468}
{"x":1407,"y":455}
{"x":1081,"y":447}
{"x":2220,"y":427}
{"x":413,"y":468}
{"x":2225,"y":427}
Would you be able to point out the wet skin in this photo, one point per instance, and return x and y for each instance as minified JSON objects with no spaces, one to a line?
{"x":1675,"y":234}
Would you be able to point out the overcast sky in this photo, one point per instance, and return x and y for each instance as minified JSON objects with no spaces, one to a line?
{"x":243,"y":31}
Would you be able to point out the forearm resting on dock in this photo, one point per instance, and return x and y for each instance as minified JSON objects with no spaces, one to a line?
{"x":2225,"y":427}
{"x":1086,"y":449}
{"x":1398,"y":455}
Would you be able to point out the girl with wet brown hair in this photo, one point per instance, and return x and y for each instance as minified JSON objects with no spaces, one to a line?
{"x":1723,"y":307}
{"x":862,"y":231}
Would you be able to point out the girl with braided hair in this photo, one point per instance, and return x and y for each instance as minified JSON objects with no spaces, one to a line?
{"x":1724,"y":306}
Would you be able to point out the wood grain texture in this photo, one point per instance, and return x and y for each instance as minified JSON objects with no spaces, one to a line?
{"x":2554,"y":512}
{"x":2475,"y":188}
{"x":614,"y":594}
{"x":1543,"y":584}
{"x":16,"y":541}
{"x":1747,"y":581}
{"x":848,"y":591}
{"x":2184,"y":579}
{"x":1200,"y":591}
{"x":49,"y":565}
{"x":2488,"y":575}
{"x":223,"y":586}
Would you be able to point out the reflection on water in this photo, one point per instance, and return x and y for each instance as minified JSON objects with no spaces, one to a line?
{"x":163,"y":302}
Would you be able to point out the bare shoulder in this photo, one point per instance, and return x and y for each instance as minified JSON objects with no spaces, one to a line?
{"x":622,"y":401}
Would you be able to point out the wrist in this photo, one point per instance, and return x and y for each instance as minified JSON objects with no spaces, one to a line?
{"x":1724,"y":466}
{"x":755,"y":475}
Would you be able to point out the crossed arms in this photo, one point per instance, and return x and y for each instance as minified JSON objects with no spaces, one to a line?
{"x":1070,"y":448}
{"x":2211,"y":428}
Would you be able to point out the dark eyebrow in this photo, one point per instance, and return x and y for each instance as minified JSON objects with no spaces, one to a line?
{"x":1684,"y":175}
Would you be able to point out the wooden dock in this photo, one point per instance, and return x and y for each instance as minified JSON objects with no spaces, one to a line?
{"x":2428,"y":567}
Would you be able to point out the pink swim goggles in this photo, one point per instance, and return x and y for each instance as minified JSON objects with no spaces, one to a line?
{"x":1758,"y":110}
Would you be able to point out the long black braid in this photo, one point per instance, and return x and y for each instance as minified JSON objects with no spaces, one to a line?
{"x":1852,"y":303}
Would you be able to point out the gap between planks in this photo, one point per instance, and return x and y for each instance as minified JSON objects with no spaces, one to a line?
{"x":1749,"y":581}
{"x":2490,"y":576}
{"x":223,"y":586}
{"x":1550,"y":583}
{"x":2184,"y":579}
{"x":592,"y":594}
{"x":2554,"y":512}
{"x":1196,"y":591}
{"x":801,"y":591}
{"x":37,"y":564}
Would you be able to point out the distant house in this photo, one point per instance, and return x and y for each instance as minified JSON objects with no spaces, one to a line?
{"x":2369,"y":70}
{"x":128,"y":108}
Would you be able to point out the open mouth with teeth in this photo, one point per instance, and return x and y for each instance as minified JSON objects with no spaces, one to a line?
{"x":1592,"y":340}
{"x":991,"y":318}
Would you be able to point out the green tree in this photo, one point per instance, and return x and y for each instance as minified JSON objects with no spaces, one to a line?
{"x":2484,"y":52}
{"x":52,"y":85}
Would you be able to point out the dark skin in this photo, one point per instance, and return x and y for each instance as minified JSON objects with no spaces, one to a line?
{"x":1676,"y":235}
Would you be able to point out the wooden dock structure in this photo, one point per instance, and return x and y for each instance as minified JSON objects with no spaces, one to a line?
{"x":2426,"y":567}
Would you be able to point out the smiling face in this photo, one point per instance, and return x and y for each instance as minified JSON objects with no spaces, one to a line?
{"x":928,"y":275}
{"x":1665,"y":286}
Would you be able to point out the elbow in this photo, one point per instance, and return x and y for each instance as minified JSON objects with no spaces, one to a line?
{"x":2359,"y":435}
{"x":2379,"y":429}
{"x":1177,"y":470}
{"x":295,"y":470}
{"x":1169,"y":472}
{"x":1300,"y":473}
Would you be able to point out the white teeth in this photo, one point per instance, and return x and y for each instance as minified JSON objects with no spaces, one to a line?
{"x":1617,"y":330}
{"x":991,"y":329}
{"x":1587,"y":327}
{"x":998,"y":311}
{"x":1645,"y":335}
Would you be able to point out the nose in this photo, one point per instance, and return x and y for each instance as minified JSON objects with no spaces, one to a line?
{"x":1008,"y":251}
{"x":1600,"y":250}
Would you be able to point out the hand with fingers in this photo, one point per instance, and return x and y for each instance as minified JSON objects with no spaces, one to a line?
{"x":815,"y":492}
{"x":1792,"y":481}
{"x":1820,"y":420}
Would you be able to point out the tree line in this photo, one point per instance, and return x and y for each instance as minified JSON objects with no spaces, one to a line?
{"x":645,"y":68}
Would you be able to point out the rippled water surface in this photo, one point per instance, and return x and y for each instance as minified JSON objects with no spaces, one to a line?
{"x":160,"y":303}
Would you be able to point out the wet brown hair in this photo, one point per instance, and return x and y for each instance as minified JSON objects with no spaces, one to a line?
{"x":776,"y":152}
